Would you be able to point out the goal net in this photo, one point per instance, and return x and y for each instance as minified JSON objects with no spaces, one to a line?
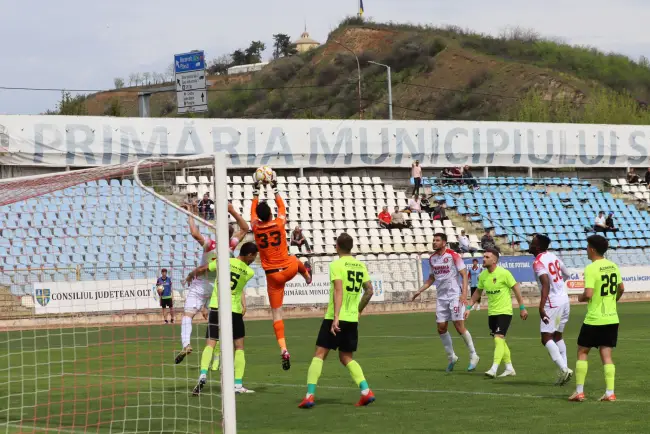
{"x":83,"y":343}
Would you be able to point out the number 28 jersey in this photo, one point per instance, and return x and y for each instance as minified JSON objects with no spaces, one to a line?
{"x":353,"y":274}
{"x":604,"y":277}
{"x":547,"y":263}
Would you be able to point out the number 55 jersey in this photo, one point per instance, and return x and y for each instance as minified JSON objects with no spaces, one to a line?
{"x":354,"y":274}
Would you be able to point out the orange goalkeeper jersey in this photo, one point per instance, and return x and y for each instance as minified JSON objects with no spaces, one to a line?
{"x":271,"y":237}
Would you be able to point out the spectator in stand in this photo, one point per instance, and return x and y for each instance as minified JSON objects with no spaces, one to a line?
{"x":632,"y":177}
{"x":468,"y":178}
{"x":414,"y":204}
{"x":298,"y":239}
{"x":384,"y":218}
{"x":463,"y":242}
{"x":647,"y":177}
{"x":206,"y":207}
{"x":439,"y":212}
{"x":416,"y":173}
{"x":609,"y":222}
{"x":425,"y":205}
{"x":397,"y":220}
{"x":600,"y":224}
{"x":487,"y":242}
{"x":166,"y":297}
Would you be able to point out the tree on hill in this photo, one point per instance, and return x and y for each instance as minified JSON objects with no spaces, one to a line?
{"x":238,"y":58}
{"x":254,"y":52}
{"x":119,"y":82}
{"x":70,"y":105}
{"x":282,"y":46}
{"x":146,"y":76}
{"x":220,"y":65}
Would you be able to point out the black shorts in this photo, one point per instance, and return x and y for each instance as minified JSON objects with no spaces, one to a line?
{"x":594,"y":336}
{"x":166,"y":302}
{"x":238,"y":329}
{"x":346,"y":340}
{"x":471,"y":290}
{"x":499,"y":324}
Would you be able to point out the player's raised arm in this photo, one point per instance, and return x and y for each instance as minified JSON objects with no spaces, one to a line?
{"x":427,"y":284}
{"x":196,"y":272}
{"x":368,"y":290}
{"x":256,"y":199}
{"x":282,"y":210}
{"x":243,"y":226}
{"x":194,"y":231}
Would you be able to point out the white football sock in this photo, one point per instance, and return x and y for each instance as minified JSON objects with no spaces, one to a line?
{"x":562,"y":347}
{"x":469,"y":342}
{"x":554,"y":351}
{"x":186,"y":330}
{"x":449,"y":346}
{"x":509,"y":367}
{"x":580,"y":388}
{"x":494,"y":367}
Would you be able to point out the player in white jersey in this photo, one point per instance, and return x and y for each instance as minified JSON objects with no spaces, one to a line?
{"x":447,"y":269}
{"x":200,"y":288}
{"x":554,"y":308}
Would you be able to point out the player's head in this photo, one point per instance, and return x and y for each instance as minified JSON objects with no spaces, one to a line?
{"x":263,"y":211}
{"x":474,"y":261}
{"x":344,"y":244}
{"x":539,"y":244}
{"x":439,"y":241}
{"x":248,"y":253}
{"x":163,"y":272}
{"x":490,"y":258}
{"x":597,"y":245}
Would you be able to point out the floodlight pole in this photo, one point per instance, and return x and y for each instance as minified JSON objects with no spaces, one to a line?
{"x":390,"y":89}
{"x":358,"y":71}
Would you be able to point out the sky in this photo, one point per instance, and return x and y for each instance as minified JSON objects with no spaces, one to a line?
{"x":82,"y":44}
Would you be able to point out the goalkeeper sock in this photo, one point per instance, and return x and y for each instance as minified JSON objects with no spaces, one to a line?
{"x":186,"y":330}
{"x":206,"y":358}
{"x":469,"y":342}
{"x":447,"y":343}
{"x":562,"y":347}
{"x":240,"y":366}
{"x":581,"y":375}
{"x":554,"y":352}
{"x":357,"y":375}
{"x":216,"y":356}
{"x":278,"y":327}
{"x":499,"y":349}
{"x":313,"y":374}
{"x":610,"y":373}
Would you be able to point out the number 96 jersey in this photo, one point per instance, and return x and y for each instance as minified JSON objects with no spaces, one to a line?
{"x":353,"y":274}
{"x":549,"y":264}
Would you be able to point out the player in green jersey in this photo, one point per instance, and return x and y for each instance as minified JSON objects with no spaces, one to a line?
{"x":240,"y":274}
{"x":497,"y":282}
{"x":339,"y":329}
{"x":603,"y":289}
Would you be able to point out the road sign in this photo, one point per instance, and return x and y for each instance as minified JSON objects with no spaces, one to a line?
{"x":190,"y":81}
{"x":192,"y":101}
{"x":186,"y":62}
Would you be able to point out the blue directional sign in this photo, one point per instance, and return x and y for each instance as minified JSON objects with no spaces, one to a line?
{"x":186,"y":62}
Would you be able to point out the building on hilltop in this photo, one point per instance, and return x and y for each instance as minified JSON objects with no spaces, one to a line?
{"x":305,"y":43}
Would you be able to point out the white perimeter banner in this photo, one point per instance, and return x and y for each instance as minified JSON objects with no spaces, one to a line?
{"x":635,"y":279}
{"x":95,"y":296}
{"x":298,"y":292}
{"x":98,"y":141}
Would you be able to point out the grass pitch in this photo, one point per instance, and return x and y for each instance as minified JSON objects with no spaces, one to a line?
{"x":123,"y":379}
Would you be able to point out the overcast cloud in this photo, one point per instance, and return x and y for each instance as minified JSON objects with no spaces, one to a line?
{"x":82,"y":44}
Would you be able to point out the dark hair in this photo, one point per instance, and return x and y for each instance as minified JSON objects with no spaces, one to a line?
{"x":248,"y":248}
{"x":164,"y":270}
{"x":474,"y":260}
{"x":441,"y":235}
{"x":345,"y":242}
{"x":494,"y":251}
{"x":543,"y":241}
{"x":598,"y":243}
{"x":263,"y":211}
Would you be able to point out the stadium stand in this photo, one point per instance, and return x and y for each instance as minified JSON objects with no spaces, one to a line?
{"x":638,"y":192}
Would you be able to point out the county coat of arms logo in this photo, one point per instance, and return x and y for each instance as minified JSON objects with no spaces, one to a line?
{"x":43,"y":296}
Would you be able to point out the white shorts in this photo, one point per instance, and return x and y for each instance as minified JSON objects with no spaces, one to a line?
{"x":195,"y":300}
{"x":558,"y":317}
{"x":449,"y":310}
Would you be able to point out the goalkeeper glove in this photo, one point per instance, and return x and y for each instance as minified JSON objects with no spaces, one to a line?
{"x":274,"y":183}
{"x":256,"y":190}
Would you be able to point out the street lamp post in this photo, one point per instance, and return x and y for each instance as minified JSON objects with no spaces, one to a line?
{"x":390,"y":89}
{"x":358,"y":71}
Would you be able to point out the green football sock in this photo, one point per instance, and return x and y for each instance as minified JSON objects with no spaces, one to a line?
{"x":506,"y":352}
{"x":610,"y":373}
{"x":240,"y":366}
{"x":581,"y":373}
{"x":357,"y":375}
{"x":215,"y":357}
{"x":313,"y":374}
{"x":206,"y":358}
{"x":499,"y":349}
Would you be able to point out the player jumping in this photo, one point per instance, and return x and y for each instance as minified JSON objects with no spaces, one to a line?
{"x":497,"y":282}
{"x":603,"y":289}
{"x":339,"y":329}
{"x":554,"y":304}
{"x":201,"y":287}
{"x":446,"y":266}
{"x":279,"y":266}
{"x":240,"y":274}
